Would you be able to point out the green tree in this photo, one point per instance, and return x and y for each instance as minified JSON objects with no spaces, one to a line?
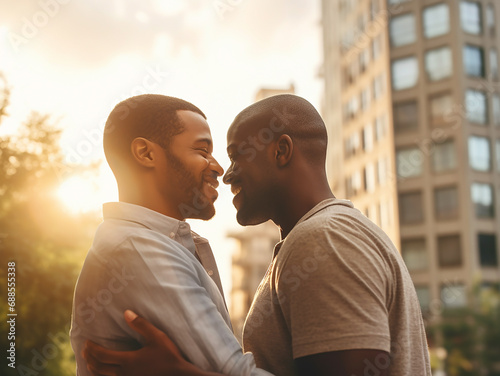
{"x":471,"y":335}
{"x":46,"y":243}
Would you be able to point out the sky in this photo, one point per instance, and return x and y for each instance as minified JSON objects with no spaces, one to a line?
{"x":76,"y":59}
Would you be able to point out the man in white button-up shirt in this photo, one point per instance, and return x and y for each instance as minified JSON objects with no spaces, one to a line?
{"x":144,"y":255}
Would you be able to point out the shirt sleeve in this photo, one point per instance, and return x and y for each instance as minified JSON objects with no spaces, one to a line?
{"x":165,"y":286}
{"x":332,"y":290}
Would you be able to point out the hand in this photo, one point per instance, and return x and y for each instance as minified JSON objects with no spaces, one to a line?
{"x":160,"y":356}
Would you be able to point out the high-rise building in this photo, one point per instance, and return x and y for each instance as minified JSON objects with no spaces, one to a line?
{"x":412,"y":106}
{"x":249,"y":264}
{"x":253,"y":253}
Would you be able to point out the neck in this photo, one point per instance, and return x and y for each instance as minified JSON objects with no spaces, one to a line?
{"x":151,"y":200}
{"x":304,"y":193}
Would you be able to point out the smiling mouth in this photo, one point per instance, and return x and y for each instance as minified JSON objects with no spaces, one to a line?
{"x":211,"y":185}
{"x":235,"y":190}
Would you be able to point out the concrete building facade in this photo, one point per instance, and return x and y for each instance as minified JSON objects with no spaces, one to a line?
{"x":412,"y":106}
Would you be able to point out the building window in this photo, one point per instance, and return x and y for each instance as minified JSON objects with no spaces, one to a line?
{"x":385,"y":214}
{"x":365,"y":98}
{"x":479,"y":153}
{"x":352,"y":71}
{"x":402,"y":30}
{"x":495,"y":103}
{"x":380,"y":127}
{"x":353,"y":184}
{"x":444,"y":157}
{"x":453,"y":296}
{"x":436,"y":20}
{"x":438,"y":63}
{"x":498,"y":154}
{"x":440,"y":108}
{"x":488,"y":255}
{"x":446,"y":203}
{"x":470,"y":17}
{"x":493,"y":63}
{"x":382,"y":170}
{"x":362,"y":21}
{"x":374,"y":8}
{"x":378,"y":86}
{"x":405,"y":116}
{"x":414,"y":254}
{"x":409,"y":162}
{"x":376,"y":48}
{"x":404,"y":73}
{"x":490,"y":19}
{"x":364,"y":60}
{"x":352,"y":107}
{"x":449,"y":252}
{"x":475,"y":103}
{"x":352,"y":144}
{"x":367,"y":138}
{"x":369,"y":173}
{"x":411,"y":208}
{"x":473,"y":60}
{"x":424,"y":297}
{"x":482,"y":198}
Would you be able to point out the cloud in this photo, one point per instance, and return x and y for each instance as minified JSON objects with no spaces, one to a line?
{"x":92,"y":32}
{"x":272,"y":25}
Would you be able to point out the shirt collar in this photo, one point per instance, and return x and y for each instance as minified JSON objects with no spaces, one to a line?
{"x":146,"y":217}
{"x":323,"y":205}
{"x":317,"y":208}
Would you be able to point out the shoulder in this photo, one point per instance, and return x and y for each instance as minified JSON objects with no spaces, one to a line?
{"x":332,"y":225}
{"x":126,"y":242}
{"x":338,"y":235}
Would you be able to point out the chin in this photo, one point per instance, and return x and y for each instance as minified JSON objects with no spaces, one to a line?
{"x":247,"y":219}
{"x":206,"y":214}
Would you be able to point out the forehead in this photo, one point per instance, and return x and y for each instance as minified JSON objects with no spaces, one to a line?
{"x":195,"y":126}
{"x":244,"y":127}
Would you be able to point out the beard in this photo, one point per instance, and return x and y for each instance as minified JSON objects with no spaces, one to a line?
{"x":194,"y":203}
{"x":256,"y":207}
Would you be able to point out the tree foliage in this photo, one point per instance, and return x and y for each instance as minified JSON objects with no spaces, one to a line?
{"x":471,"y":336}
{"x":46,"y":243}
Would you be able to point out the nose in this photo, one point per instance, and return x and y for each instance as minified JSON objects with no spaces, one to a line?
{"x":216,"y":167}
{"x":228,"y":176}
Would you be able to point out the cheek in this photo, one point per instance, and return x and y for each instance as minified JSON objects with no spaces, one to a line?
{"x":236,"y":170}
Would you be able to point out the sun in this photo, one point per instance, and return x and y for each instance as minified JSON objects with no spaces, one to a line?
{"x":78,"y":195}
{"x":82,"y":194}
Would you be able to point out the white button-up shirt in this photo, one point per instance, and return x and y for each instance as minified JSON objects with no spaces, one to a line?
{"x":157,"y":267}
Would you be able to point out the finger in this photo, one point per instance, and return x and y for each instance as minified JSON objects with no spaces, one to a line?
{"x":97,"y":368}
{"x":104,"y":355}
{"x":103,"y":370}
{"x":150,"y":332}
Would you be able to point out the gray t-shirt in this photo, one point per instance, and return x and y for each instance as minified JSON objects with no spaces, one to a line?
{"x":337,"y":282}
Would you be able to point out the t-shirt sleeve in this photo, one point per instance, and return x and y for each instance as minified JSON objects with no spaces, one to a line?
{"x":332,"y":288}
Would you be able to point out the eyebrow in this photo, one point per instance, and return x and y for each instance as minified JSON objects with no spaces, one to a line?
{"x":204,"y":140}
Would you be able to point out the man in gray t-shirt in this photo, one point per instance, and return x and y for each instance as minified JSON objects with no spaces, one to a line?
{"x":337,"y":298}
{"x":336,"y":283}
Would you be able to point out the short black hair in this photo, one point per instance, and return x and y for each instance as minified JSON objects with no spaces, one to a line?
{"x":152,"y":116}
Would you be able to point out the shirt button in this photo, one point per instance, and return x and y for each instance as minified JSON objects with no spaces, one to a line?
{"x":210,"y":272}
{"x":172,"y":235}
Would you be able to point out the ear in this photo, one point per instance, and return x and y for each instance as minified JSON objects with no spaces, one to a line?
{"x":143,"y":151}
{"x":284,"y":150}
